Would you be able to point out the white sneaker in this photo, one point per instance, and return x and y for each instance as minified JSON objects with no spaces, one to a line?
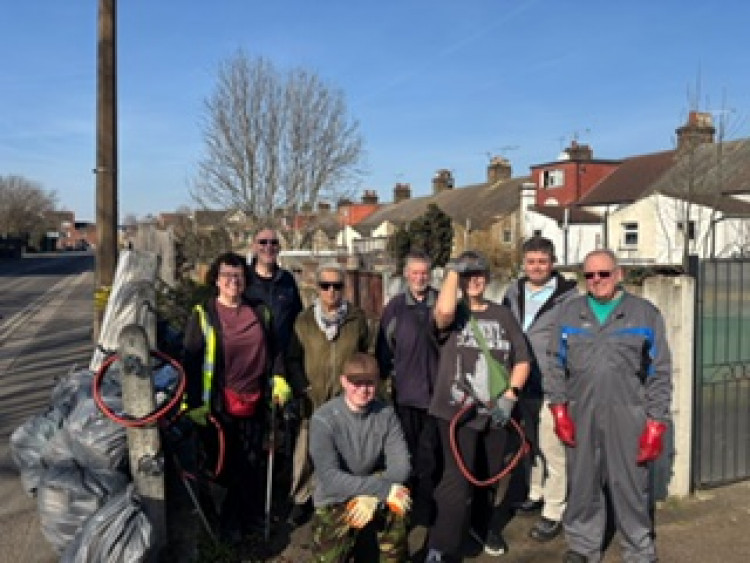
{"x":433,"y":556}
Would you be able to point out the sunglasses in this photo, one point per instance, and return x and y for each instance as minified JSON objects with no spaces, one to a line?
{"x":267,"y":241}
{"x":338,"y":286}
{"x":601,"y":273}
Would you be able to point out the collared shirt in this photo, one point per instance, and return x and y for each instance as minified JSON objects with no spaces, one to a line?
{"x":534,"y":299}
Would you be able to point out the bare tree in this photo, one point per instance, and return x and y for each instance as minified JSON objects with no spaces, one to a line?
{"x":274,"y":140}
{"x":24,"y":204}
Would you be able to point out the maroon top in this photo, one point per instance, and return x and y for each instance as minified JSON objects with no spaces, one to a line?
{"x":245,"y":350}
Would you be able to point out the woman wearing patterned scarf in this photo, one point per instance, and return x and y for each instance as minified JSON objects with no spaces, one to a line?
{"x":326,"y":334}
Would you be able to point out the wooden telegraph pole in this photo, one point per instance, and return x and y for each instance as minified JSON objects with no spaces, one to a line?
{"x":106,"y":156}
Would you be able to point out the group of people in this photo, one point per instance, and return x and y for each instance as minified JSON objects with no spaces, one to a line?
{"x":405,"y":437}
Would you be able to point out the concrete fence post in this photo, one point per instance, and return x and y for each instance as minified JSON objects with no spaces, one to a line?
{"x":146,"y":456}
{"x":675,"y":298}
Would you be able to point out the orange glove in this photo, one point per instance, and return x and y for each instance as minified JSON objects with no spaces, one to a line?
{"x":650,"y":445}
{"x":564,"y":427}
{"x":398,"y":501}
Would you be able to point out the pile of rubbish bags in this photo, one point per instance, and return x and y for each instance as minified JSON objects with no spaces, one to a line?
{"x":74,"y":461}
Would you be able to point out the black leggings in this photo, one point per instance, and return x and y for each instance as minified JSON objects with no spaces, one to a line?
{"x":454,"y":492}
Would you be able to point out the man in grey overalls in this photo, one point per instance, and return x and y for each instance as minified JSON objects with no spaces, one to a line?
{"x":610,"y":388}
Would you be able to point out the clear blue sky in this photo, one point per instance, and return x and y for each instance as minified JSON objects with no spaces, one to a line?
{"x":433,"y":84}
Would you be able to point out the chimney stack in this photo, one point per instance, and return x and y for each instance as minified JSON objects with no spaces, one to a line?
{"x":370,"y":197}
{"x":443,"y":180}
{"x":578,"y":152}
{"x":343,"y":202}
{"x":699,"y":129}
{"x":401,"y":192}
{"x":498,"y":169}
{"x":324,"y":207}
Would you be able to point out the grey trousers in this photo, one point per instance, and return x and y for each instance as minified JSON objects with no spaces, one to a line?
{"x":605,"y":457}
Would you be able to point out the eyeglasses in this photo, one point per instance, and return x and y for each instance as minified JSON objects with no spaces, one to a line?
{"x":601,"y":273}
{"x":231,"y":276}
{"x":267,"y":241}
{"x":325,"y":286}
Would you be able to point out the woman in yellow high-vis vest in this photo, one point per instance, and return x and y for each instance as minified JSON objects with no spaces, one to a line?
{"x":230,"y":360}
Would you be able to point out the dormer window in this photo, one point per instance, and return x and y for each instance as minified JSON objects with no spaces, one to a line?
{"x":553,"y":178}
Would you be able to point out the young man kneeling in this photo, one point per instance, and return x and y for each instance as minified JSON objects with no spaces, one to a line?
{"x":361,"y":462}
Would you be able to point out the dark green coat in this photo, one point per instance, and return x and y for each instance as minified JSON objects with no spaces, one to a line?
{"x":315,"y":363}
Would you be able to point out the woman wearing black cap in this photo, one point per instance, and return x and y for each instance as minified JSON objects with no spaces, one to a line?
{"x":470,"y":328}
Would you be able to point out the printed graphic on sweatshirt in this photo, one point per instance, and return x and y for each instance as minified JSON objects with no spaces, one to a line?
{"x":471,"y":365}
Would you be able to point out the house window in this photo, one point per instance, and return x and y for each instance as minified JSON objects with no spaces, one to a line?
{"x":507,"y":236}
{"x":630,"y":234}
{"x":553,"y":178}
{"x":690,"y":231}
{"x":536,"y":233}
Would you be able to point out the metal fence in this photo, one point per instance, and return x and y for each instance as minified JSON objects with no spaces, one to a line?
{"x":721,"y":449}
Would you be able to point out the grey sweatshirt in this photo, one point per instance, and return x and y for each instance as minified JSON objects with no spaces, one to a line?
{"x":356,"y":453}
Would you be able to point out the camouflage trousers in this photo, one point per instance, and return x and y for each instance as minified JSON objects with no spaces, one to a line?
{"x":333,"y":539}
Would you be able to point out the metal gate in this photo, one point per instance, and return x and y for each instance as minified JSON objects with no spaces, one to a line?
{"x":721,"y":433}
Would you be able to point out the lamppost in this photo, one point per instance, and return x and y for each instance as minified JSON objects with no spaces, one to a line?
{"x":106,"y":155}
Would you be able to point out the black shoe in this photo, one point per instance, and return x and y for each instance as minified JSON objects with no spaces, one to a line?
{"x":494,"y":544}
{"x":574,"y":557}
{"x":299,"y":514}
{"x":528,"y":506}
{"x":545,"y":529}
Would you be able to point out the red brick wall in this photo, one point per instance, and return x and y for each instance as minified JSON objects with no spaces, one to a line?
{"x":580,"y":177}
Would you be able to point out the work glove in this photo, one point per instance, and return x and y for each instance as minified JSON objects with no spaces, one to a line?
{"x":280,"y":390}
{"x":460,"y":266}
{"x":564,"y":427}
{"x":466,"y":265}
{"x":398,"y":501}
{"x":457,"y":266}
{"x":650,"y":445}
{"x":360,"y":510}
{"x":199,"y":415}
{"x":501,"y":410}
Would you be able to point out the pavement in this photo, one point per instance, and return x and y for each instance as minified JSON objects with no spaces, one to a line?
{"x":710,"y":526}
{"x":43,"y":343}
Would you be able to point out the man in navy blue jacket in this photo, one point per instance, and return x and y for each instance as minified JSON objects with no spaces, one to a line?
{"x":408,"y":353}
{"x":273,"y":285}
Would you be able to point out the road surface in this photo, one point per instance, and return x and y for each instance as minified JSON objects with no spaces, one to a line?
{"x":46,"y":312}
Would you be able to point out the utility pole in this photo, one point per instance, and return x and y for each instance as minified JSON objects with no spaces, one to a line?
{"x":106,"y":153}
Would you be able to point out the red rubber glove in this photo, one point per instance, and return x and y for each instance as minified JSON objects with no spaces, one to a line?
{"x":564,"y":427}
{"x":650,"y":445}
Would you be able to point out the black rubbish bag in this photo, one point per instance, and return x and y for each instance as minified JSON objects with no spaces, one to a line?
{"x":28,"y":443}
{"x":69,"y":388}
{"x":119,"y":531}
{"x":96,"y":441}
{"x":68,"y":494}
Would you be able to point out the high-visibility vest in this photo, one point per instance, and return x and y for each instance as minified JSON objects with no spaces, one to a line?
{"x":209,"y":355}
